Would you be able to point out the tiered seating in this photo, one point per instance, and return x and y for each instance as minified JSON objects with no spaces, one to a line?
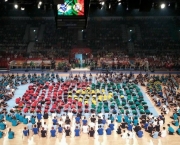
{"x":104,"y":34}
{"x":11,"y":35}
{"x":56,"y":39}
{"x":158,"y":34}
{"x":11,"y":39}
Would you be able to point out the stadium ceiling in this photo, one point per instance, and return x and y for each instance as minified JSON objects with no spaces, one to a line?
{"x":28,"y":1}
{"x":130,"y":1}
{"x":92,"y":1}
{"x":142,"y":5}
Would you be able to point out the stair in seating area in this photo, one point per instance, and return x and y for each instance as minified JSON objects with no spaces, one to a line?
{"x":30,"y":47}
{"x":130,"y":47}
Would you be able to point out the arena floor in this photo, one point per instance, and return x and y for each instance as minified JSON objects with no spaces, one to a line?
{"x":113,"y":139}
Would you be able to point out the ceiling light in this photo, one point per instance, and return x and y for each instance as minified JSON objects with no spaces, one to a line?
{"x":40,"y":3}
{"x":15,"y":6}
{"x":163,"y":6}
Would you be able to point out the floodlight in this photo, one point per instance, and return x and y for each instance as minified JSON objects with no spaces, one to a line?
{"x":40,"y":3}
{"x":15,"y":6}
{"x":163,"y":6}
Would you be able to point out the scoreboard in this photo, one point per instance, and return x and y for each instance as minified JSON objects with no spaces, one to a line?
{"x":71,"y":8}
{"x":71,"y":13}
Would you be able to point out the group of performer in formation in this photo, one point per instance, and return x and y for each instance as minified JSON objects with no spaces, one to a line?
{"x":101,"y":99}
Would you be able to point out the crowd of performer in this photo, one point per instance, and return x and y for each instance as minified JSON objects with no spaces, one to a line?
{"x":72,"y":117}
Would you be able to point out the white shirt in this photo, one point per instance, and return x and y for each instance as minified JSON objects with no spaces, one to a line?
{"x":63,"y":118}
{"x":91,"y":124}
{"x":163,"y":133}
{"x":150,"y":116}
{"x":167,"y":110}
{"x":53,"y":115}
{"x":55,"y":126}
{"x":161,"y":122}
{"x":108,"y":122}
{"x":177,"y":107}
{"x":100,"y":115}
{"x":85,"y":129}
{"x":12,"y":90}
{"x":164,"y":106}
{"x":93,"y":114}
{"x":124,"y":135}
{"x":67,"y":125}
{"x":8,"y":87}
{"x":61,"y":122}
{"x":157,"y":99}
{"x":45,"y":126}
{"x":154,"y":123}
{"x":70,"y":114}
{"x":29,"y":126}
{"x":58,"y":115}
{"x":130,"y":134}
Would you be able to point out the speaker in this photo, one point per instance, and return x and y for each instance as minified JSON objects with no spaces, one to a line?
{"x":145,"y":5}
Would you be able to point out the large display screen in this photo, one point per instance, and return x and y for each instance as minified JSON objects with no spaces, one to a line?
{"x":71,"y":8}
